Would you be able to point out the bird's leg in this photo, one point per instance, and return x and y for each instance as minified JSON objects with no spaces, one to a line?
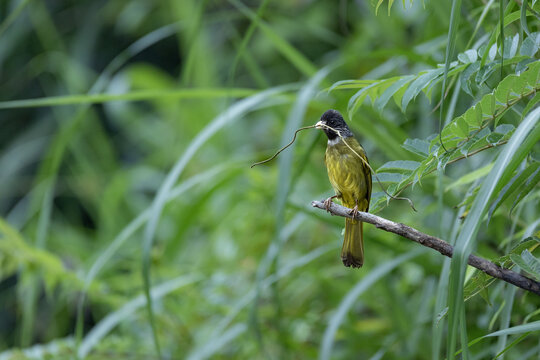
{"x":328,"y":202}
{"x":354,"y":211}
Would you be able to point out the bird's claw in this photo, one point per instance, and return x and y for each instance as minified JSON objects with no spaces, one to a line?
{"x":328,"y":203}
{"x":354,"y":211}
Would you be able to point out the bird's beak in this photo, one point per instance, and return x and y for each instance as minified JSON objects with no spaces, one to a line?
{"x":319,"y":125}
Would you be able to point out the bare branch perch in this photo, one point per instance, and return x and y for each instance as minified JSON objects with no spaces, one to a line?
{"x":441,"y":246}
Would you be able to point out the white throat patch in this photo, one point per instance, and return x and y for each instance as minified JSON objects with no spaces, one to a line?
{"x":334,"y":141}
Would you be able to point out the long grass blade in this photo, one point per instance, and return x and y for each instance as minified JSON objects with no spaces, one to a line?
{"x":295,"y":57}
{"x":129,"y":230}
{"x":501,"y":31}
{"x":526,"y":135}
{"x":362,"y":286}
{"x":228,"y":117}
{"x":450,"y":47}
{"x":142,"y":95}
{"x":519,"y":329}
{"x":245,"y":40}
{"x":13,"y":16}
{"x":123,"y":313}
{"x":219,"y":329}
{"x":294,"y":120}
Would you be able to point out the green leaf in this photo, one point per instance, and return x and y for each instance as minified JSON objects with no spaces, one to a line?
{"x":417,"y":146}
{"x":470,"y":177}
{"x":524,"y":264}
{"x":494,"y":138}
{"x":381,"y":101}
{"x":515,"y":183}
{"x":530,"y":243}
{"x":505,"y":87}
{"x":511,"y":46}
{"x":475,"y":117}
{"x":466,"y":75}
{"x":378,"y":202}
{"x":357,"y":99}
{"x":478,"y":284}
{"x":485,"y":72}
{"x":389,"y":177}
{"x":405,"y":165}
{"x":530,"y":45}
{"x":468,"y":56}
{"x":478,"y":141}
{"x":531,"y":182}
{"x":531,"y":104}
{"x":461,"y":128}
{"x":488,"y":104}
{"x":532,"y":262}
{"x":532,"y":75}
{"x":417,"y":85}
{"x":350,"y":84}
{"x":504,"y":129}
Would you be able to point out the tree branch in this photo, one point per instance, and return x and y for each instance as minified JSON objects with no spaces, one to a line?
{"x":441,"y":246}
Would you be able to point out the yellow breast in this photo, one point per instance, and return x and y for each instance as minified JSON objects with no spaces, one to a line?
{"x":348,"y":174}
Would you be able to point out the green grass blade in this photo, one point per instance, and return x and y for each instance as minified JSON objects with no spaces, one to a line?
{"x":219,"y":342}
{"x":13,"y":16}
{"x":442,"y":294}
{"x":142,"y":95}
{"x":295,"y":57}
{"x":245,"y":40}
{"x":348,"y":301}
{"x":525,"y":136}
{"x":219,"y":329}
{"x":285,"y":161}
{"x":520,"y":329}
{"x":509,"y":295}
{"x":501,"y":31}
{"x":228,"y":117}
{"x":523,"y":17}
{"x":130,"y":229}
{"x":111,"y":320}
{"x":450,"y":47}
{"x":511,"y":345}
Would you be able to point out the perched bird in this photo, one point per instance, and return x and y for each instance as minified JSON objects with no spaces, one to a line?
{"x":350,"y":177}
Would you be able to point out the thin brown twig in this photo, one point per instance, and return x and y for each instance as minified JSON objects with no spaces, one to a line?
{"x":283,"y":148}
{"x":345,"y":142}
{"x":489,"y":146}
{"x":437,"y":244}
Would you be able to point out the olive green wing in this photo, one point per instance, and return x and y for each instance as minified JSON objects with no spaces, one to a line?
{"x":365,"y":168}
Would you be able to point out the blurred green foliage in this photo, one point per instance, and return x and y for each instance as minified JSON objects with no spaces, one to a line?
{"x":128,"y":128}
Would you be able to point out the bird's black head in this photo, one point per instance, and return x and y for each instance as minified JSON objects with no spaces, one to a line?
{"x":333,"y":119}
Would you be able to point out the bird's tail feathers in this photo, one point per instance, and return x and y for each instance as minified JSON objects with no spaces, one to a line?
{"x":352,"y":253}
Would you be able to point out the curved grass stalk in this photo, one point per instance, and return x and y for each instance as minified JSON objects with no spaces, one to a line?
{"x":228,"y":117}
{"x":362,"y":286}
{"x":114,"y":318}
{"x":525,"y":136}
{"x":130,"y":229}
{"x":202,"y":352}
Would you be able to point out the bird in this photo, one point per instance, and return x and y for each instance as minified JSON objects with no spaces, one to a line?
{"x":350,"y":176}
